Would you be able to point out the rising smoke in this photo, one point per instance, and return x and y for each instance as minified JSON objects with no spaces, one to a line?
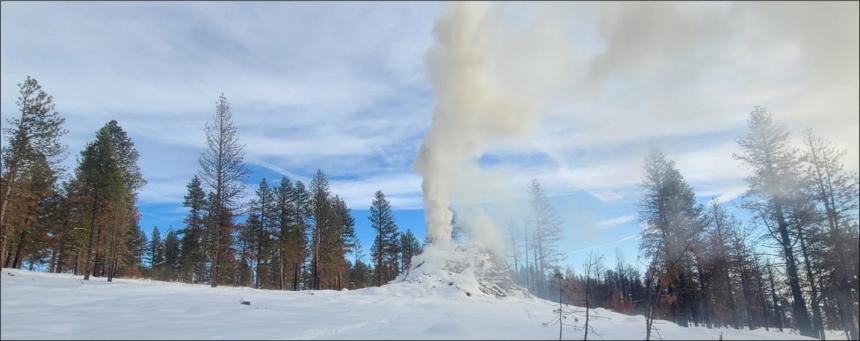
{"x":473,"y":108}
{"x":643,"y":72}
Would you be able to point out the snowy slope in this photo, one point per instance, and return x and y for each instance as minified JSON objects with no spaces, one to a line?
{"x":39,"y":306}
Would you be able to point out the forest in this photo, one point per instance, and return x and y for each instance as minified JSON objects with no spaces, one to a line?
{"x":794,"y":265}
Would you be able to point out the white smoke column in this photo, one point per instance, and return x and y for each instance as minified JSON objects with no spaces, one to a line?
{"x":475,"y":105}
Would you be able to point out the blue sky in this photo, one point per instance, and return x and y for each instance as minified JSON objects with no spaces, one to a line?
{"x":343,"y":87}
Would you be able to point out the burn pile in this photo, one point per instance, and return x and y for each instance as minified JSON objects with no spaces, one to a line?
{"x":469,"y":269}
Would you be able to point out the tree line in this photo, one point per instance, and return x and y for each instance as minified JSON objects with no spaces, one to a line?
{"x":793,"y":265}
{"x":87,"y":222}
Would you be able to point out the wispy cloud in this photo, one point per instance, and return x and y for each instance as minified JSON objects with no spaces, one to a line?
{"x":634,"y":236}
{"x":610,"y":223}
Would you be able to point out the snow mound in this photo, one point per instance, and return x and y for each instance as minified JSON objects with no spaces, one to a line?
{"x":456,"y":269}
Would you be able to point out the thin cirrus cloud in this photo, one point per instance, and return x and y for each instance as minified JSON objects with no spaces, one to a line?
{"x":610,"y":223}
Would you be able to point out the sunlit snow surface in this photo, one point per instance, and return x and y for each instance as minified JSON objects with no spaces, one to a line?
{"x":52,"y":306}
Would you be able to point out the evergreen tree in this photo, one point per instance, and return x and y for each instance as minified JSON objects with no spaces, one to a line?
{"x":836,"y":193}
{"x":342,"y":241}
{"x":265,"y":206}
{"x":296,"y":239}
{"x":409,"y":247}
{"x":155,"y":251}
{"x":284,"y":203}
{"x":320,"y":213}
{"x":359,"y":275}
{"x":136,"y":244}
{"x":546,"y":235}
{"x":385,"y":243}
{"x":124,"y":212}
{"x":246,"y":239}
{"x":33,"y":136}
{"x":193,"y":235}
{"x":222,"y":171}
{"x":172,"y":253}
{"x":722,"y":229}
{"x":774,"y":185}
{"x":101,"y":177}
{"x":673,"y":230}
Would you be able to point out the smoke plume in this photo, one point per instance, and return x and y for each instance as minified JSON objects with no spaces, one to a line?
{"x":474,"y":107}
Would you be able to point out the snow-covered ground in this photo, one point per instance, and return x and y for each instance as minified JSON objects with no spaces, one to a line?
{"x":50,"y":306}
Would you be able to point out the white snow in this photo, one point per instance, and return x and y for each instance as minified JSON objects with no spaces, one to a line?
{"x":51,"y":306}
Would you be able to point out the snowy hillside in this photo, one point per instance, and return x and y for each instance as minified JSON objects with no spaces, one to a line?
{"x":40,"y":305}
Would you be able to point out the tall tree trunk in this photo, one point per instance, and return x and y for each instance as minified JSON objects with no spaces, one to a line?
{"x":110,"y":257}
{"x":818,"y":324}
{"x":705,"y":299}
{"x":844,"y":302}
{"x":296,"y":275}
{"x":58,"y":268}
{"x":259,"y":280}
{"x":16,"y":263}
{"x":799,"y":313}
{"x":201,"y":267}
{"x":92,"y":236}
{"x":281,"y":275}
{"x":4,"y":203}
{"x":776,"y":304}
{"x":761,"y":294}
{"x":216,"y":262}
{"x":731,"y":295}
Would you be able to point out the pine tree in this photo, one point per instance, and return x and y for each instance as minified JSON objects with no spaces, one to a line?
{"x":409,"y":247}
{"x":547,"y":234}
{"x":124,"y":213}
{"x":136,"y":244}
{"x":320,"y":213}
{"x":385,"y":242}
{"x":222,"y":171}
{"x":673,"y":230}
{"x":193,"y":235}
{"x":246,"y":239}
{"x":171,"y":254}
{"x":836,"y":192}
{"x":155,"y":250}
{"x":359,"y":275}
{"x":265,"y":207}
{"x":297,"y":240}
{"x":101,"y":177}
{"x":722,"y":230}
{"x":775,"y":183}
{"x":283,"y":209}
{"x":33,"y":136}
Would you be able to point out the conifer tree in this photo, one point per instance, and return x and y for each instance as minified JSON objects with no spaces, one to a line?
{"x":775,"y":183}
{"x":33,"y":136}
{"x":836,"y":193}
{"x":673,"y":229}
{"x":221,"y":169}
{"x":296,"y":239}
{"x":155,"y":250}
{"x":193,"y":235}
{"x":384,"y":250}
{"x":171,"y":254}
{"x":321,"y":215}
{"x":265,"y":206}
{"x":409,"y":247}
{"x":101,"y":177}
{"x":341,"y":241}
{"x":284,"y":203}
{"x":546,"y":235}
